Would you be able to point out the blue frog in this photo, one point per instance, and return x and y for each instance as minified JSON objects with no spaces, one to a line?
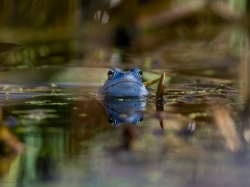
{"x":124,"y":84}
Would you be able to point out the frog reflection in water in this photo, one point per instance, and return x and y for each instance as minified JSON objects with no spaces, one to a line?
{"x":124,"y":112}
{"x":124,"y":84}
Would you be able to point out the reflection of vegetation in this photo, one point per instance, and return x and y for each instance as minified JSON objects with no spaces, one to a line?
{"x":44,"y":152}
{"x":45,"y":140}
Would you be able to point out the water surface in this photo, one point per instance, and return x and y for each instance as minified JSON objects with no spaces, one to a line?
{"x":75,"y":138}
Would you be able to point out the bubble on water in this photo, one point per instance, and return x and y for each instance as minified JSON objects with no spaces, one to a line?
{"x":102,"y":16}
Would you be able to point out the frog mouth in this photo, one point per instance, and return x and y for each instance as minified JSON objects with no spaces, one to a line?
{"x":125,"y":82}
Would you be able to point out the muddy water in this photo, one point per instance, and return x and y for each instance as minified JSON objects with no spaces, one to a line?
{"x":74,"y":138}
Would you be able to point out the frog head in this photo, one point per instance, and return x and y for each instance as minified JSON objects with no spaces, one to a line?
{"x":124,"y":84}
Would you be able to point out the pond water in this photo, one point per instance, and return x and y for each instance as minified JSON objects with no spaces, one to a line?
{"x":74,"y":138}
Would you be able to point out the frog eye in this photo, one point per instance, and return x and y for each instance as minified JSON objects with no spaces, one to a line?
{"x":139,"y":119}
{"x":111,"y":74}
{"x":137,"y":71}
{"x":112,"y":120}
{"x":140,"y":73}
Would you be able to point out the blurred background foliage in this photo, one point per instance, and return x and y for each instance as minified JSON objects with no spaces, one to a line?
{"x":145,"y":33}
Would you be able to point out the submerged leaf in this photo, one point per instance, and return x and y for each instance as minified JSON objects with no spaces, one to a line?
{"x":4,"y":47}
